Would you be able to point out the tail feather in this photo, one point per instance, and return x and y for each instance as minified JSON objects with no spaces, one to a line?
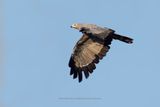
{"x":123,"y":38}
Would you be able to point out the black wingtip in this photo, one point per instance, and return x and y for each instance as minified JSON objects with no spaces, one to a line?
{"x":71,"y":71}
{"x":79,"y":75}
{"x":75,"y":75}
{"x":81,"y":71}
{"x":71,"y":62}
{"x":86,"y":73}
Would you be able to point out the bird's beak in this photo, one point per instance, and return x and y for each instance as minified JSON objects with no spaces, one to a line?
{"x":73,"y":26}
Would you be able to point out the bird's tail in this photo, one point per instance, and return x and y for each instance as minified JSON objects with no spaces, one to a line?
{"x":123,"y":38}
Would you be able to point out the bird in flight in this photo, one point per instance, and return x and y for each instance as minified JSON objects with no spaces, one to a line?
{"x":91,"y":48}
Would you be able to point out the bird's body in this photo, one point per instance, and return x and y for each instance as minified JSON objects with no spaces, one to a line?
{"x":92,"y":46}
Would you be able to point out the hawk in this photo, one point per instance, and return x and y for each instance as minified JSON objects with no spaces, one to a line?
{"x":91,"y":48}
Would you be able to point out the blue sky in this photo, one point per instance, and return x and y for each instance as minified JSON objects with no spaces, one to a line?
{"x":38,"y":42}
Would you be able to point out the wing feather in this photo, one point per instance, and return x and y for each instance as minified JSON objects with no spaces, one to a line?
{"x":86,"y":54}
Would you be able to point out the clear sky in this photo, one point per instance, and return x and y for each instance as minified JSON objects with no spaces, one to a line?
{"x":38,"y":42}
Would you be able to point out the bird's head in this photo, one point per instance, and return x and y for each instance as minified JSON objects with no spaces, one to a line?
{"x":76,"y":26}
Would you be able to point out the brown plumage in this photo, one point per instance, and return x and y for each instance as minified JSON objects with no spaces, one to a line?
{"x":92,"y":47}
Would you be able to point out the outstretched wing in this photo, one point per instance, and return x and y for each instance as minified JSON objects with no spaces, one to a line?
{"x":86,"y":54}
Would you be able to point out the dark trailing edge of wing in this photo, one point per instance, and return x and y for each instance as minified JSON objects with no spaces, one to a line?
{"x":86,"y":70}
{"x":77,"y":72}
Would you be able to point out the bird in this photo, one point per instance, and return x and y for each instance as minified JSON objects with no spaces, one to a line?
{"x":91,"y":48}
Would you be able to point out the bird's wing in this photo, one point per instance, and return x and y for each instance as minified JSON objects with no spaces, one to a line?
{"x":86,"y":54}
{"x":98,"y":32}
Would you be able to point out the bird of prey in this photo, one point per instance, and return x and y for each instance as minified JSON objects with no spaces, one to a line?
{"x":92,"y":47}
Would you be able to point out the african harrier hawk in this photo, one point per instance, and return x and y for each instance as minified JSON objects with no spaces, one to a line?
{"x":92,"y":47}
